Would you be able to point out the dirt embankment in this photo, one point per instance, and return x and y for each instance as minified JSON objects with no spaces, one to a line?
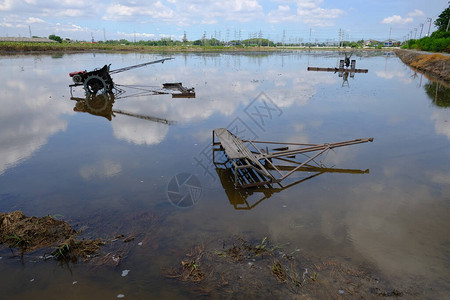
{"x":433,"y":64}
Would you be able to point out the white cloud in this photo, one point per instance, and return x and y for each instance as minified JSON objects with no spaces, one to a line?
{"x":308,"y":4}
{"x":396,"y":19}
{"x":416,"y":13}
{"x":307,"y":11}
{"x":26,"y":128}
{"x":32,"y":20}
{"x":441,"y":122}
{"x":137,"y":35}
{"x":139,"y":132}
{"x":319,"y":17}
{"x":155,"y":10}
{"x":6,"y":5}
{"x":282,"y":14}
{"x":102,"y":169}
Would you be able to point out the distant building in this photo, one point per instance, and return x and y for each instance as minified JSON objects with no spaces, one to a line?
{"x":25,"y":39}
{"x":390,"y":43}
{"x":371,"y":43}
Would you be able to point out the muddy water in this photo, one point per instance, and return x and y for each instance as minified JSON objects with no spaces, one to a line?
{"x":114,"y":170}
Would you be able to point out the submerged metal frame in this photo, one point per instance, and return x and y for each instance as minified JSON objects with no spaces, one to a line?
{"x":252,"y":167}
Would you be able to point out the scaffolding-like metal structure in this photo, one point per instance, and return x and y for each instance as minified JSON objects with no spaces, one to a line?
{"x":255,"y":166}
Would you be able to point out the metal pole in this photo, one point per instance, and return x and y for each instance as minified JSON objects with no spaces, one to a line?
{"x":448,"y":23}
{"x":309,"y":38}
{"x":429,"y":28}
{"x":421,"y":29}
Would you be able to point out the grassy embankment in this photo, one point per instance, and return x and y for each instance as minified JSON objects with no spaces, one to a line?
{"x":12,"y":47}
{"x":436,"y":65}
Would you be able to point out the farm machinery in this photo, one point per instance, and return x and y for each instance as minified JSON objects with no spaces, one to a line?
{"x":99,"y":81}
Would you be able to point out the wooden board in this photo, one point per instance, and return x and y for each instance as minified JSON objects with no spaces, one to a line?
{"x":236,"y":149}
{"x":233,"y":146}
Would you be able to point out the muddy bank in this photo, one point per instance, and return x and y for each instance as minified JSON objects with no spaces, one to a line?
{"x":237,"y":268}
{"x":436,"y":66}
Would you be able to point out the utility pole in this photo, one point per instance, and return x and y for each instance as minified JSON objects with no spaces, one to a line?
{"x":309,"y":43}
{"x":448,"y":23}
{"x":421,"y":28}
{"x":29,"y":28}
{"x":339,"y":40}
{"x":429,"y":28}
{"x":260,"y":35}
{"x":415,"y":33}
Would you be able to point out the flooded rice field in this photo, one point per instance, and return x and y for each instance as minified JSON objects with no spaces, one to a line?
{"x":135,"y":171}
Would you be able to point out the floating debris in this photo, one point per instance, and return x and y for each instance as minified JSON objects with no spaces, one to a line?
{"x":125,"y":273}
{"x":33,"y":233}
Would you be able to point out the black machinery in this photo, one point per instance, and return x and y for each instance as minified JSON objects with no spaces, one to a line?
{"x":99,"y":81}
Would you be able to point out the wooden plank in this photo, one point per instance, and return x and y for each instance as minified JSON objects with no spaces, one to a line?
{"x":230,"y":144}
{"x":236,"y":149}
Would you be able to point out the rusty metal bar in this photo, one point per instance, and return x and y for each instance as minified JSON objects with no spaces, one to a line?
{"x":282,"y":143}
{"x":140,"y":65}
{"x":301,"y":165}
{"x":266,"y":159}
{"x":317,"y":148}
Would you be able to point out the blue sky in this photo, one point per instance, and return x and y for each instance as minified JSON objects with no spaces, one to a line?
{"x":225,"y":20}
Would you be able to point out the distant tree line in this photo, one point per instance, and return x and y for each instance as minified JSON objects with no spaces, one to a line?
{"x":213,"y":42}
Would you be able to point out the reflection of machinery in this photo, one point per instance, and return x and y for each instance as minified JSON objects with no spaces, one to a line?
{"x":245,"y":199}
{"x":99,"y":81}
{"x":346,"y":67}
{"x":102,"y":105}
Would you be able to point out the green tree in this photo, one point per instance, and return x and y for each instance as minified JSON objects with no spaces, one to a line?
{"x":442,"y":21}
{"x":55,"y":38}
{"x":439,"y":94}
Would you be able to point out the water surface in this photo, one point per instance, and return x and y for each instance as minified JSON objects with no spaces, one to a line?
{"x":110,"y":173}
